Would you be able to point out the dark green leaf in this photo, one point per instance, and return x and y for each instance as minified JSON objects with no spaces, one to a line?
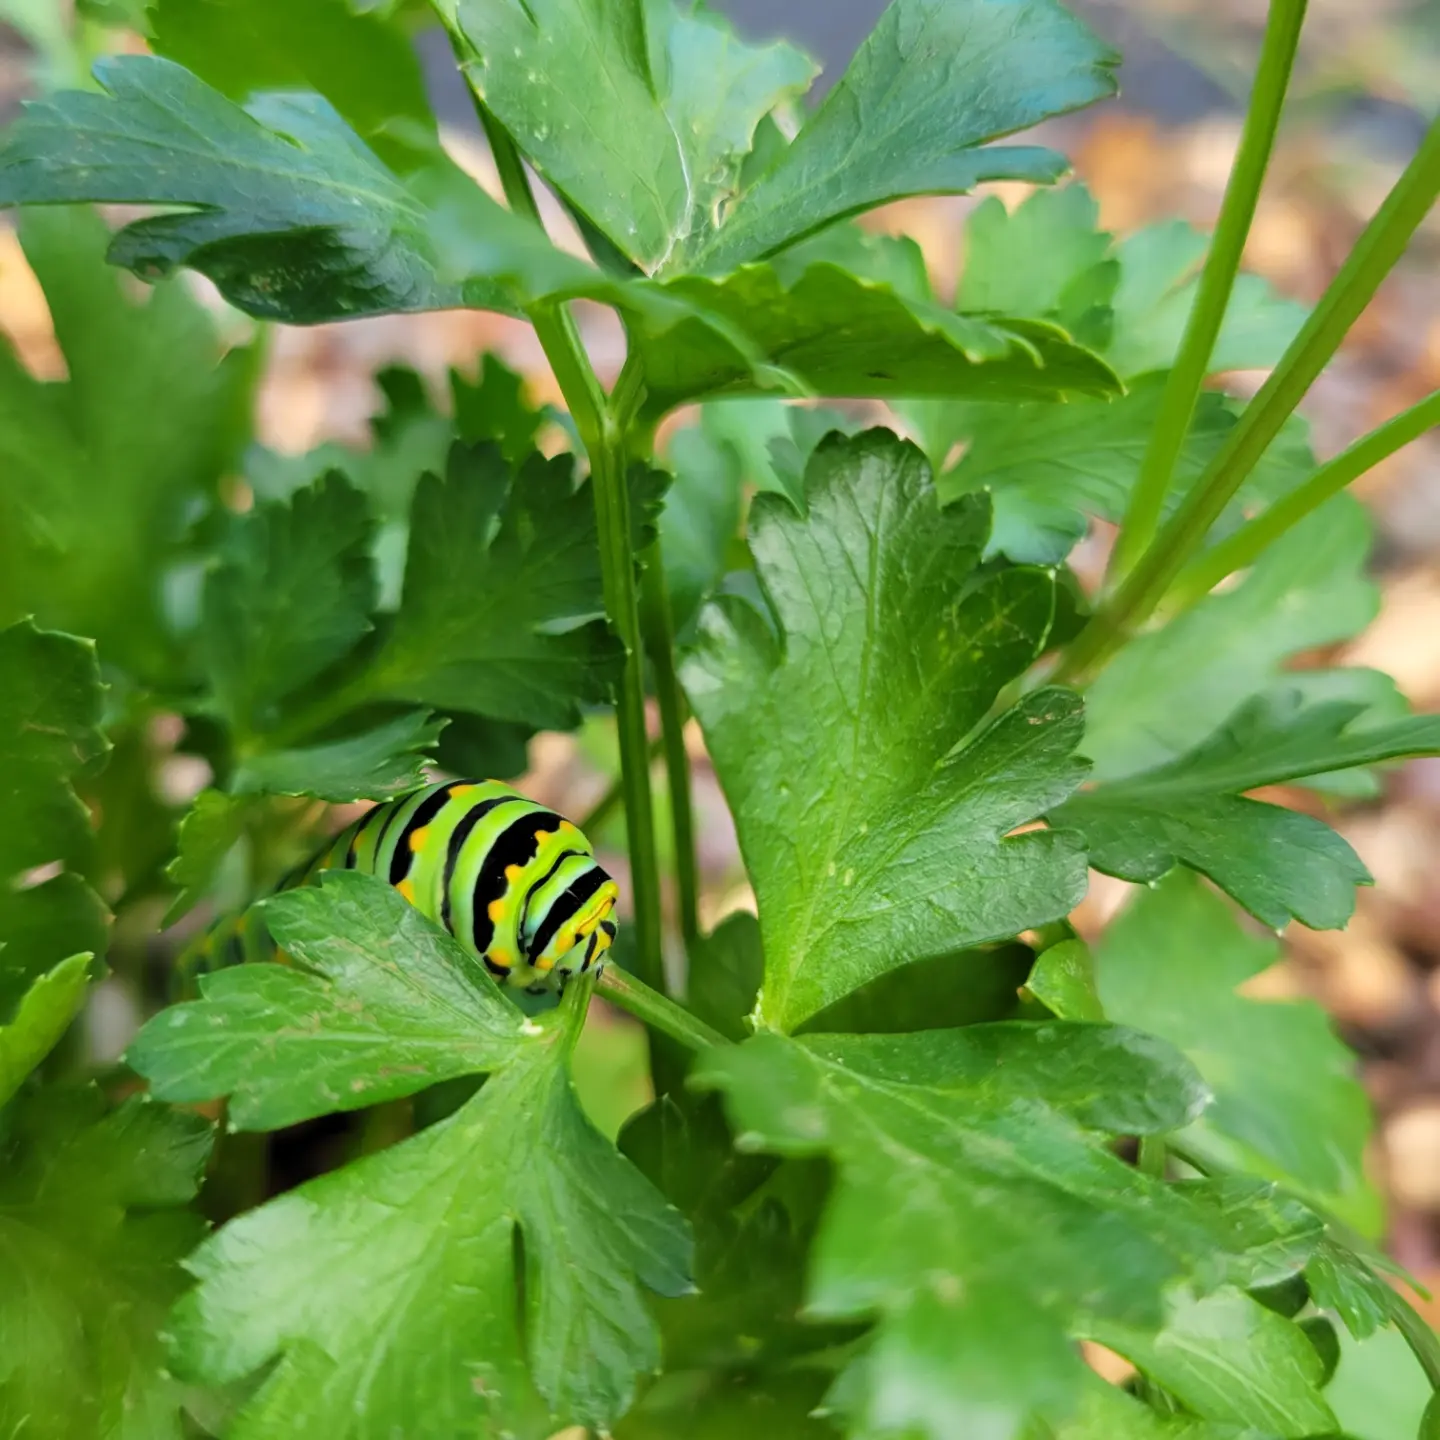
{"x":45,"y":1012}
{"x":137,"y":824}
{"x":839,"y":335}
{"x":1171,"y":688}
{"x":493,"y":407}
{"x":93,"y":1240}
{"x":724,"y":977}
{"x":502,"y":603}
{"x":96,"y":493}
{"x":973,"y":1212}
{"x":427,"y":1324}
{"x":382,"y":1008}
{"x":388,"y":1289}
{"x":1322,"y":1334}
{"x":50,"y":702}
{"x":1063,"y":980}
{"x":863,"y":828}
{"x":750,"y":1250}
{"x":654,"y":164}
{"x":1341,"y":1281}
{"x":363,"y":65}
{"x":1271,"y":1233}
{"x":1107,"y":1412}
{"x":50,"y":698}
{"x":1276,"y":862}
{"x":38,"y":923}
{"x":941,"y":993}
{"x":291,"y":596}
{"x":1228,"y":1358}
{"x":717,"y":1406}
{"x":1288,"y":1298}
{"x":474,"y":746}
{"x":934,"y":82}
{"x":701,"y":519}
{"x":372,"y":765}
{"x":1288,"y":1104}
{"x":213,"y":824}
{"x":291,"y":215}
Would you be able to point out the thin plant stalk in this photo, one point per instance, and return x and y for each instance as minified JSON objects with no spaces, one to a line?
{"x":658,"y":1011}
{"x":660,"y":635}
{"x":603,"y":422}
{"x":1237,"y":211}
{"x":1153,"y":1155}
{"x":617,"y":565}
{"x":1372,"y":259}
{"x":1241,"y":550}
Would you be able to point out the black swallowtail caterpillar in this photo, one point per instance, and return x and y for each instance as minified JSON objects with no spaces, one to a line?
{"x":513,"y":882}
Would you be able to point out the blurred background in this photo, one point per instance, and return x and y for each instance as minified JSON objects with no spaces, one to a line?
{"x":1368,"y":79}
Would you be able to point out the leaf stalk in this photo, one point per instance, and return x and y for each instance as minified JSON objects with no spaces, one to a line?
{"x":1240,"y":550}
{"x":603,"y":423}
{"x":1379,"y":247}
{"x":1222,"y":264}
{"x":631,"y":994}
{"x":660,"y":641}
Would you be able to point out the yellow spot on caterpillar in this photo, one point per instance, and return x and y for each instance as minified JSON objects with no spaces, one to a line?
{"x":502,"y":958}
{"x":417,"y":840}
{"x":541,"y":836}
{"x":544,"y":963}
{"x":407,"y":888}
{"x":513,"y":873}
{"x":497,"y":911}
{"x":456,"y":791}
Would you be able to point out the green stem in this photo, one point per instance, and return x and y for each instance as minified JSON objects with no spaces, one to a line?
{"x":617,"y":565}
{"x":660,"y":641}
{"x":656,"y":1010}
{"x":1371,"y":260}
{"x":574,"y":1007}
{"x":1152,"y":1156}
{"x":1237,"y":210}
{"x":602,"y":422}
{"x":508,"y":164}
{"x":1422,"y":1340}
{"x":1247,"y":544}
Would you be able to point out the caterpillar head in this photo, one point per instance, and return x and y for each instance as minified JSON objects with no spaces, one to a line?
{"x":587,"y":929}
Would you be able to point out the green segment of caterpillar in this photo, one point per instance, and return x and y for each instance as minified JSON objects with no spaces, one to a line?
{"x":515,"y":883}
